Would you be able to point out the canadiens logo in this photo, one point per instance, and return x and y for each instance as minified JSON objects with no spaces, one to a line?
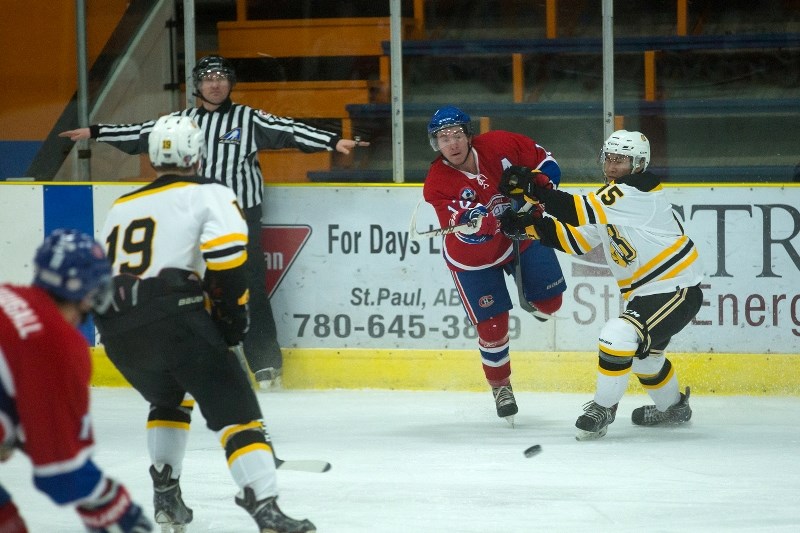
{"x":486,"y":301}
{"x":467,"y":194}
{"x":232,"y":137}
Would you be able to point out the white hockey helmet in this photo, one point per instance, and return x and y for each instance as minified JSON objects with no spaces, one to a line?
{"x":176,"y":142}
{"x":630,"y":143}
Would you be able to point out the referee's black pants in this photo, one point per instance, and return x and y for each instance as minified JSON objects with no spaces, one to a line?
{"x":261,"y":342}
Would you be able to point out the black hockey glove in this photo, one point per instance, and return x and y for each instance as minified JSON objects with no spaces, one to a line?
{"x":232,"y":323}
{"x":518,"y":181}
{"x":521,"y":226}
{"x":227,"y":291}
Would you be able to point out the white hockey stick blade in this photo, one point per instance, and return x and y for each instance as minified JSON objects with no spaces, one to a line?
{"x":415,"y":235}
{"x":304,"y":465}
{"x":544,"y":317}
{"x":447,"y":230}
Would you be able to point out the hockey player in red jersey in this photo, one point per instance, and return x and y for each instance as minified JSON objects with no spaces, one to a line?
{"x":168,"y":242}
{"x":45,"y":372}
{"x":461,"y":185}
{"x":655,"y":264}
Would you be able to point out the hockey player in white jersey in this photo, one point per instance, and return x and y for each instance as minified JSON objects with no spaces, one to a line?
{"x":655,"y":263}
{"x":173,"y":244}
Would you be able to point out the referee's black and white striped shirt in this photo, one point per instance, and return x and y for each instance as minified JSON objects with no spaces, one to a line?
{"x":234,"y":134}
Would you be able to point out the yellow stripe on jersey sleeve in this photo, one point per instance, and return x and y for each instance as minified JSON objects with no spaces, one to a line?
{"x":563,"y":241}
{"x":566,"y":245}
{"x":580,"y":210}
{"x":225,"y":261}
{"x":582,"y":242}
{"x":597,"y":207}
{"x":238,"y":260}
{"x":225,"y":240}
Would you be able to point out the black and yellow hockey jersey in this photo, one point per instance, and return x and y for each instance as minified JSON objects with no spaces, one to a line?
{"x":645,"y":245}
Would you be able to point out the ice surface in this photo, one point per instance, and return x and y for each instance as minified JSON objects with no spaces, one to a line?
{"x":443,"y":462}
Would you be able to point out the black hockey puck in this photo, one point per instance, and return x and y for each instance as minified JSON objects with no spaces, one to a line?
{"x":536,"y":449}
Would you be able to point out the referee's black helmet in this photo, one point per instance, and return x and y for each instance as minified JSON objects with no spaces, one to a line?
{"x":210,"y":65}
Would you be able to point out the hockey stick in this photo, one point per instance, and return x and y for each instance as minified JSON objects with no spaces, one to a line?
{"x":415,"y":235}
{"x":315,"y":466}
{"x":303,"y":465}
{"x":300,"y":465}
{"x":238,"y":351}
{"x":523,"y":300}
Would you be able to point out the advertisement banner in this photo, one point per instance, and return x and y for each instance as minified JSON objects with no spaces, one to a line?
{"x":343,"y":273}
{"x":357,"y":281}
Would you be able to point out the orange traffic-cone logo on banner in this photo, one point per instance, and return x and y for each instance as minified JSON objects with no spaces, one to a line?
{"x":281,"y":246}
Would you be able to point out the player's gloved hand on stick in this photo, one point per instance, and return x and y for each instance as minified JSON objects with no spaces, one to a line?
{"x":510,"y":183}
{"x":228,"y":295}
{"x":518,"y":180}
{"x":487,"y":222}
{"x":232,"y":323}
{"x":114,"y":512}
{"x":521,"y":226}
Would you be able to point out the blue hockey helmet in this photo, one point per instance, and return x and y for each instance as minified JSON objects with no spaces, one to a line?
{"x":72,"y":266}
{"x":447,"y":117}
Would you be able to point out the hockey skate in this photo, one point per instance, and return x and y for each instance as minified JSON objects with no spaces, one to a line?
{"x":505,"y":402}
{"x":679,"y":413}
{"x":593,"y":423}
{"x":170,"y":511}
{"x":269,"y":517}
{"x":269,"y":379}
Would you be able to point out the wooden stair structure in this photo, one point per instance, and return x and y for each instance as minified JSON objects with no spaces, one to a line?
{"x":316,"y":99}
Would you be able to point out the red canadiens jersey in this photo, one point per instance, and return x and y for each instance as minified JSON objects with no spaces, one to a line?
{"x":451,"y":192}
{"x":45,"y":371}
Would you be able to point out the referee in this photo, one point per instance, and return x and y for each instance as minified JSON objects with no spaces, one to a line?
{"x":234,"y":133}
